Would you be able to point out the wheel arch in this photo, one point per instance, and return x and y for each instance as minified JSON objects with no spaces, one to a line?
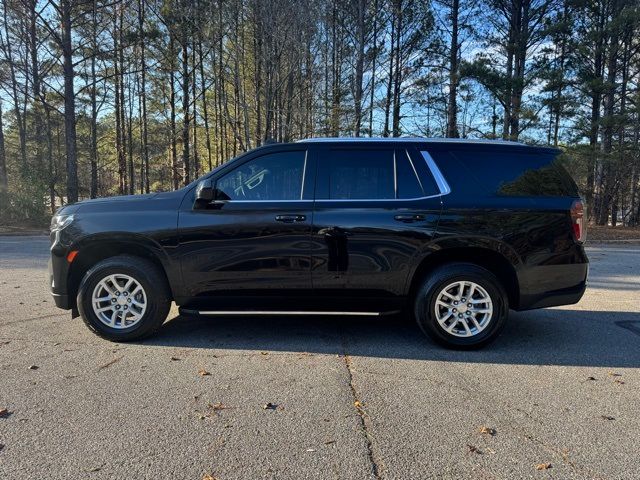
{"x":96,"y":248}
{"x":500,"y":261}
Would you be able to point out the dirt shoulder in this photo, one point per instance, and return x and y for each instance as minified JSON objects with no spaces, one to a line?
{"x":602,"y":234}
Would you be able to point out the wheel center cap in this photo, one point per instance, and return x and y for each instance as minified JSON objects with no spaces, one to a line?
{"x":462,"y":308}
{"x":122,"y":300}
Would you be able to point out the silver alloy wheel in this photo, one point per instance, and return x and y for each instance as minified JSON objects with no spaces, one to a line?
{"x":119,"y":301}
{"x":463,"y":309}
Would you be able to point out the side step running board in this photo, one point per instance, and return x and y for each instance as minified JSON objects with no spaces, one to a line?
{"x":282,"y":312}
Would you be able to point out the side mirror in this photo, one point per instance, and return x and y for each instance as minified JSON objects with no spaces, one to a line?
{"x":205,"y":192}
{"x":208,"y":196}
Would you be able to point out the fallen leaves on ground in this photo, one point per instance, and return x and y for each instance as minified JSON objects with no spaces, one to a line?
{"x":108,"y":364}
{"x":607,"y":417}
{"x":33,"y":367}
{"x":1,"y":447}
{"x":208,"y":476}
{"x":329,"y":442}
{"x":203,"y":373}
{"x":619,"y":382}
{"x":175,"y":359}
{"x":614,"y":374}
{"x":264,"y":353}
{"x":474,"y":449}
{"x":358,"y":404}
{"x":271,"y":406}
{"x":488,"y":431}
{"x":4,"y":412}
{"x":543,"y":466}
{"x":591,"y":378}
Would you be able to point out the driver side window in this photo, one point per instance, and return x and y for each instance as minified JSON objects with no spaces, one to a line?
{"x":274,"y":176}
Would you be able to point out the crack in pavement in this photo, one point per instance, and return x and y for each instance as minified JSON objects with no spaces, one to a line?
{"x":366,"y":425}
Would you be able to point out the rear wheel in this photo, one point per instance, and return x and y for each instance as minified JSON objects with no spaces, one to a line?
{"x":124,"y":298}
{"x":461,"y":305}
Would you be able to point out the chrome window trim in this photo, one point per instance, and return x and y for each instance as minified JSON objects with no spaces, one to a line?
{"x":443,"y":186}
{"x":415,"y":172}
{"x":441,"y":182}
{"x":304,"y":173}
{"x":395,"y":176}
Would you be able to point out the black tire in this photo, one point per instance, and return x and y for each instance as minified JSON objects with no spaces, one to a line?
{"x":438,"y":279}
{"x":155,"y":286}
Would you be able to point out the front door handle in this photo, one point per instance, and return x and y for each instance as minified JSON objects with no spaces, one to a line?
{"x":408,"y":218}
{"x":290,"y":218}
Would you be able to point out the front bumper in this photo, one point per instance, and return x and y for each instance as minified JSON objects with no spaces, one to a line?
{"x":58,"y":277}
{"x":61,"y":301}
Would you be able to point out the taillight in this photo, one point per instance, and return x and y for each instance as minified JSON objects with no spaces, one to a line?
{"x":577,"y":218}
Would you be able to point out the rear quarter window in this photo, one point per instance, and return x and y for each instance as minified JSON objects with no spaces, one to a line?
{"x":516,"y":173}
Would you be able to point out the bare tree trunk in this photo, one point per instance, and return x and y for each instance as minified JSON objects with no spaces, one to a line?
{"x":35,"y":85}
{"x":374,"y":64}
{"x":194,"y":82}
{"x":186,"y":174}
{"x":397,"y":80}
{"x":205,"y":111}
{"x":20,"y":120}
{"x":172,"y":116}
{"x":4,"y":181}
{"x":132,"y":178}
{"x":69,"y":103}
{"x":93,"y":141}
{"x":143,"y":95}
{"x":387,"y":100}
{"x":122,"y":162}
{"x":360,"y":41}
{"x":454,"y":74}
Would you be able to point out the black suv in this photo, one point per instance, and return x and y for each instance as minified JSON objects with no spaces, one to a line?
{"x":453,"y":232}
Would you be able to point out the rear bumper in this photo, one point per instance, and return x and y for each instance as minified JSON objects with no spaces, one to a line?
{"x":567,"y":296}
{"x":552,"y":285}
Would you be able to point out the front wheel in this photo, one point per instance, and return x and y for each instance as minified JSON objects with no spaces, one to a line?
{"x":461,"y":305}
{"x":124,"y":298}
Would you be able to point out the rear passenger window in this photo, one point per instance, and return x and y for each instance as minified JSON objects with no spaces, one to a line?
{"x":517,"y":173}
{"x":361,"y":174}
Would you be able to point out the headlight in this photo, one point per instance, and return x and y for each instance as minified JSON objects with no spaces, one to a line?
{"x":60,"y":222}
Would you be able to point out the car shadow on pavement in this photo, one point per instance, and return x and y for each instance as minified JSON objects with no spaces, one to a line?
{"x":541,"y":337}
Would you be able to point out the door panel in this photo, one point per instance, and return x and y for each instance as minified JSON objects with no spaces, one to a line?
{"x":369,"y":245}
{"x":364,"y":247}
{"x":243,"y":246}
{"x":249,"y":242}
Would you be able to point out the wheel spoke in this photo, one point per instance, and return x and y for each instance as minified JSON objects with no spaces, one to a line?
{"x":475,"y":323}
{"x":472,"y":290}
{"x":466,"y":327}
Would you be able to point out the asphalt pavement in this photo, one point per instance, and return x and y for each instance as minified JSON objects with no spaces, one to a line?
{"x":556,"y":396}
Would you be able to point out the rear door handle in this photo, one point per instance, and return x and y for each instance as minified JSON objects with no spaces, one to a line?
{"x":408,"y":218}
{"x":290,"y":218}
